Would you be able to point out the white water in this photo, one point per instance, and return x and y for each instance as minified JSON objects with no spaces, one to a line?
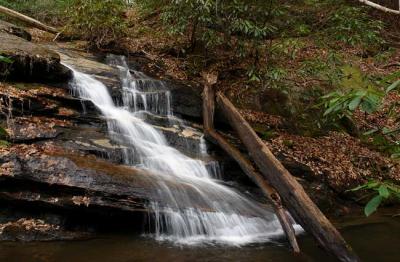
{"x":192,"y":206}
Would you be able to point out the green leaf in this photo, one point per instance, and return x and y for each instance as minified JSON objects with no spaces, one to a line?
{"x":372,"y":184}
{"x":395,"y":155}
{"x":5,"y":59}
{"x":383,"y":191}
{"x":354,"y":103}
{"x":393,"y":86}
{"x":4,"y":143}
{"x":3,"y":133}
{"x":372,"y":205}
{"x":370,"y":132}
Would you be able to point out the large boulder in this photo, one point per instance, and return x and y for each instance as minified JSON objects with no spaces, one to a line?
{"x":30,"y":61}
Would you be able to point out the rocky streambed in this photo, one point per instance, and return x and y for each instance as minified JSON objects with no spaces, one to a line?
{"x":61,"y":177}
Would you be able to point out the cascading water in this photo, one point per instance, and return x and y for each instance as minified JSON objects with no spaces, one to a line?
{"x":197,"y":208}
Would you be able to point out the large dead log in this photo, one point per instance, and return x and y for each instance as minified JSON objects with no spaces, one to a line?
{"x":268,"y":191}
{"x":244,"y":163}
{"x":27,"y":20}
{"x":292,"y":193}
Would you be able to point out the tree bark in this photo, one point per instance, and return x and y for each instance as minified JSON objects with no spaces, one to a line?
{"x":27,"y":20}
{"x":292,"y":193}
{"x":268,"y":191}
{"x":208,"y":107}
{"x":379,"y":7}
{"x":246,"y":165}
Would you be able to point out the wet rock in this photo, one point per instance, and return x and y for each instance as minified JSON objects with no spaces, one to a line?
{"x":30,"y":62}
{"x":26,"y":229}
{"x":62,"y":179}
{"x":186,"y":99}
{"x":32,"y":129}
{"x":14,"y":30}
{"x":89,"y":64}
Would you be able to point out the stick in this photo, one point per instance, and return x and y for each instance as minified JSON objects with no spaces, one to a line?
{"x":27,"y":20}
{"x":379,"y":7}
{"x":292,"y":193}
{"x":244,"y":163}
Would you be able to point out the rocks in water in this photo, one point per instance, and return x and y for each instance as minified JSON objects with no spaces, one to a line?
{"x":30,"y":229}
{"x":67,"y":179}
{"x":30,"y":61}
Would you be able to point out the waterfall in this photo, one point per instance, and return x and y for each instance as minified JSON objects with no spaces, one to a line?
{"x":212,"y":212}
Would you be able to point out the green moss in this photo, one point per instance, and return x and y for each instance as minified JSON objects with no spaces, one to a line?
{"x":288,"y":143}
{"x":4,"y":143}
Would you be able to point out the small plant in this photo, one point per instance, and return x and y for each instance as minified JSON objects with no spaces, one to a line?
{"x":4,"y":59}
{"x":383,"y":191}
{"x":385,"y":139}
{"x":339,"y":104}
{"x":357,"y":92}
{"x":275,"y":77}
{"x":288,"y":48}
{"x":353,"y":26}
{"x":3,"y":137}
{"x":5,"y":63}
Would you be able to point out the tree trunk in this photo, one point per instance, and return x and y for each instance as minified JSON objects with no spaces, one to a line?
{"x":292,"y":193}
{"x":245,"y":164}
{"x":27,"y":20}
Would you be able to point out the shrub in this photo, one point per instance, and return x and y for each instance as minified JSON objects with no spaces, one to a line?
{"x":49,"y":11}
{"x":356,"y":92}
{"x":353,"y":26}
{"x":214,"y":22}
{"x":98,"y":21}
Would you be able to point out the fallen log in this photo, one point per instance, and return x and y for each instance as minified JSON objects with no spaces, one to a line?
{"x":303,"y":209}
{"x":244,"y":163}
{"x":28,"y":20}
{"x":268,"y":191}
{"x":380,"y":7}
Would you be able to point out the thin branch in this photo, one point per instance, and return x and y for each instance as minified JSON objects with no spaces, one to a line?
{"x":379,"y":7}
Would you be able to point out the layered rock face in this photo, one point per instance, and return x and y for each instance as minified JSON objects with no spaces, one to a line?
{"x":60,"y":161}
{"x":26,"y":60}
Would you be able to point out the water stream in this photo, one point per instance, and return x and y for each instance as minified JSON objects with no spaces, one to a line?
{"x":209,"y":211}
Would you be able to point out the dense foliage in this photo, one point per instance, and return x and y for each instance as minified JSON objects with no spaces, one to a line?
{"x":353,"y":26}
{"x":101,"y":22}
{"x":98,"y":21}
{"x":215,"y":22}
{"x":50,"y":11}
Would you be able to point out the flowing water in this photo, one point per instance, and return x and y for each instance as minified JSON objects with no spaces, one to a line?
{"x":209,"y":211}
